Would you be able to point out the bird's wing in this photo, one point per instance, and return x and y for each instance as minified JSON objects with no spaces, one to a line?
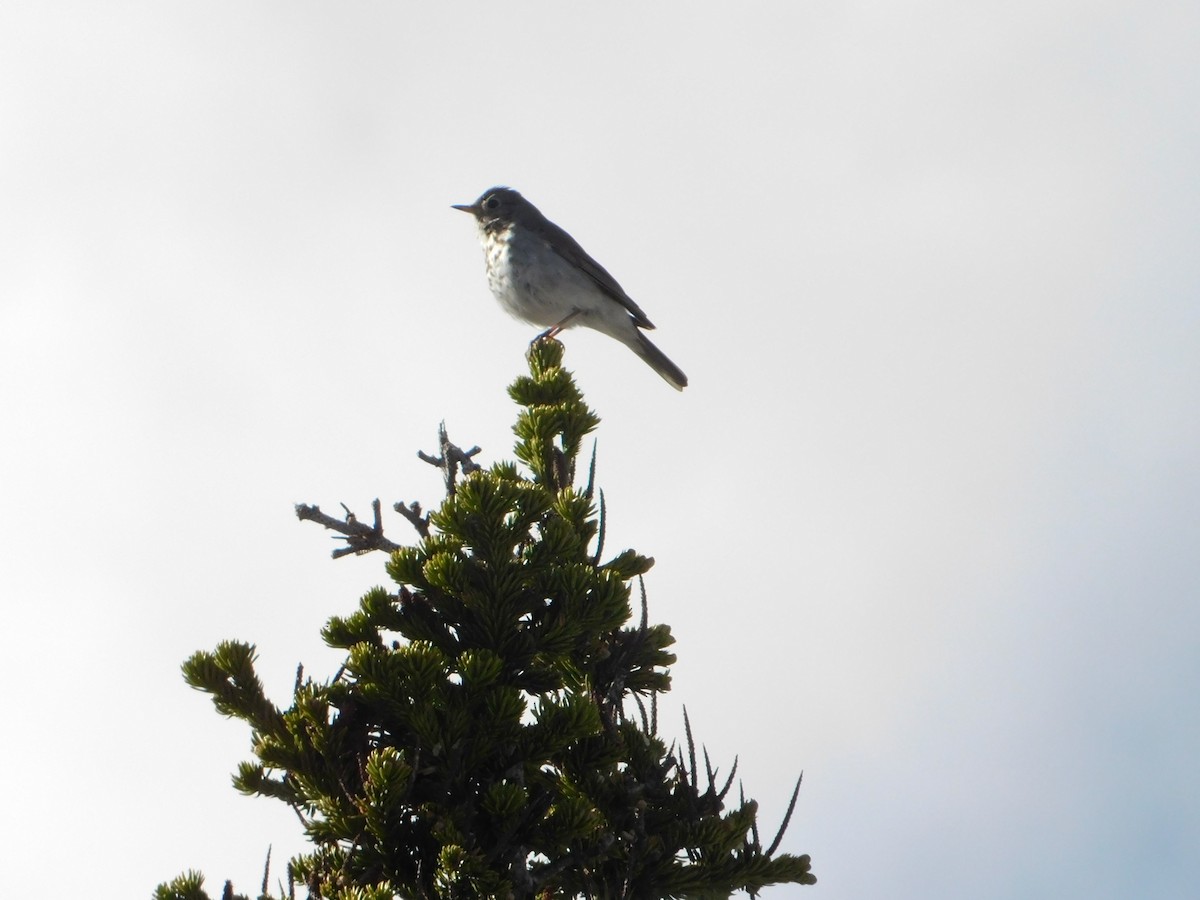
{"x":568,"y":248}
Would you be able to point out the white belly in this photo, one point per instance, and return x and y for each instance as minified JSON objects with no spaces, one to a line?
{"x":536,"y":285}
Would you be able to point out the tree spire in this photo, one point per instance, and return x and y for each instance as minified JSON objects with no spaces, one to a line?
{"x":487,"y":735}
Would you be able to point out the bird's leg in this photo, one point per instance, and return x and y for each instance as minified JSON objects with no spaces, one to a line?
{"x":553,"y":330}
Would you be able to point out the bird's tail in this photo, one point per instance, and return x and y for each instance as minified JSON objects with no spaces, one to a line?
{"x":657,"y":360}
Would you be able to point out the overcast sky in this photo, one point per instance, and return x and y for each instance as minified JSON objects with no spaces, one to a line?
{"x":926,"y":520}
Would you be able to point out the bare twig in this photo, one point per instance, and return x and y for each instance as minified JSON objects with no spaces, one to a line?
{"x":359,"y":538}
{"x":412,"y":512}
{"x":450,"y":459}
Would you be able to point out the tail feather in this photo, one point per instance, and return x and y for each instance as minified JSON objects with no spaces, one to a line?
{"x":657,"y":360}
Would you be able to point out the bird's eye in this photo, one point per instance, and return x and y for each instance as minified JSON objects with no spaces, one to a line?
{"x":491,"y":203}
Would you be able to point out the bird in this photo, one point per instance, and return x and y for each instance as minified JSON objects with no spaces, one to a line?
{"x":540,"y":275}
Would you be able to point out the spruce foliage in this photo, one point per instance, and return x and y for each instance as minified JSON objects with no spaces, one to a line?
{"x":492,"y":732}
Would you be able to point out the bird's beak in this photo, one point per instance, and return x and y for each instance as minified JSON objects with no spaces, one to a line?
{"x":471,"y":208}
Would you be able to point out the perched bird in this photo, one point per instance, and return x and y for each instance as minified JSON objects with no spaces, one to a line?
{"x":542,"y":276}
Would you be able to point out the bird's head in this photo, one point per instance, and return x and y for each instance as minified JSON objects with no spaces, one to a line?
{"x":498,"y":204}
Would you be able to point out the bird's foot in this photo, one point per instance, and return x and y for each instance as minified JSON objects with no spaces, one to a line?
{"x":552,"y":332}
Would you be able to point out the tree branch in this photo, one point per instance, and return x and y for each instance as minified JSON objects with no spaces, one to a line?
{"x":359,"y":538}
{"x":412,"y":512}
{"x":451,"y":458}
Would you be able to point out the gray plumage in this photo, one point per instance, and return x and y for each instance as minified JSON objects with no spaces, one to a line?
{"x":541,"y":275}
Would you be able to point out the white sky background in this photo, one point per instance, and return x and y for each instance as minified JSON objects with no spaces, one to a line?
{"x":927,"y":519}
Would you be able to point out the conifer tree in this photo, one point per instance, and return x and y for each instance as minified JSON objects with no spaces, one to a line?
{"x":493,"y":730}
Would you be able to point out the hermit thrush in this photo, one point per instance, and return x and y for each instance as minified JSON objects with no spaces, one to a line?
{"x":542,"y":276}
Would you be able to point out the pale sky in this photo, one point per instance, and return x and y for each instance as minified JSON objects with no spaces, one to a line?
{"x":926,"y":520}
